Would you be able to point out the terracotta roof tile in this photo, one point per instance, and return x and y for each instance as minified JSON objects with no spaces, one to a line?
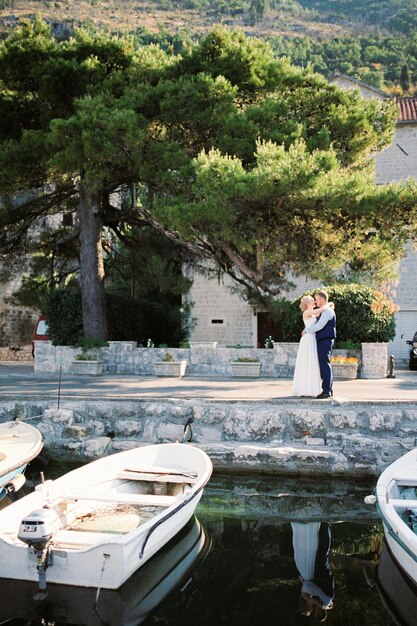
{"x":407,"y":109}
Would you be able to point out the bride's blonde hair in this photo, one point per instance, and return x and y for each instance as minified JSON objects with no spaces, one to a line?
{"x":304,"y":302}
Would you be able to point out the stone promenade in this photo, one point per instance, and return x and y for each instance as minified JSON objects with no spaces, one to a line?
{"x":245,"y":425}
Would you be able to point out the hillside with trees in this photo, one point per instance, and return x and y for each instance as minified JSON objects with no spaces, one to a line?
{"x":375,"y":42}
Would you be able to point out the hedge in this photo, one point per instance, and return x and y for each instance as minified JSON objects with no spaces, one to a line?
{"x":363,"y":315}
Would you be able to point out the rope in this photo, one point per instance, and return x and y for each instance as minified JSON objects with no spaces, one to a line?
{"x":16,"y":420}
{"x":103,"y":567}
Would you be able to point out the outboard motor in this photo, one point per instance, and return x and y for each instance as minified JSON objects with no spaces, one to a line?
{"x":37,"y":529}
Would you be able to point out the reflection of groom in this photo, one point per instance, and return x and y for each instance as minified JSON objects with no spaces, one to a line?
{"x":325,"y":330}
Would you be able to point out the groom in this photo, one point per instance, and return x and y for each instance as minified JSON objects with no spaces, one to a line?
{"x":325,"y":330}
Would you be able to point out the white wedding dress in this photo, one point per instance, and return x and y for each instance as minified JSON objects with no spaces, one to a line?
{"x":307,"y":381}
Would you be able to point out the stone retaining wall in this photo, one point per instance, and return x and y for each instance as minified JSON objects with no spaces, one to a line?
{"x":280,"y":436}
{"x":16,"y":353}
{"x":124,"y":357}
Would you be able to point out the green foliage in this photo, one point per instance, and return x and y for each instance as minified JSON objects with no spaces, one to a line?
{"x":347,"y":345}
{"x":129,"y":320}
{"x":84,"y":356}
{"x":63,"y":310}
{"x":363,"y":315}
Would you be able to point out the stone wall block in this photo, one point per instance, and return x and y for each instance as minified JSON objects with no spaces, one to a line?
{"x":96,"y":428}
{"x":76,"y":431}
{"x":361,"y":449}
{"x":343,"y":419}
{"x":303,"y":421}
{"x":250,"y":425}
{"x":128,"y":428}
{"x":168,"y":433}
{"x":62,"y":416}
{"x":97,"y":447}
{"x":374,"y":360}
{"x":210,"y":414}
{"x":386,"y":421}
{"x":207,"y":433}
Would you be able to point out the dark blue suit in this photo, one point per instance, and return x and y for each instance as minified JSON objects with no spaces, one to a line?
{"x":325,"y":338}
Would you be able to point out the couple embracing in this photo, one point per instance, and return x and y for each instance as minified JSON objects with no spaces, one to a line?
{"x":313,"y":371}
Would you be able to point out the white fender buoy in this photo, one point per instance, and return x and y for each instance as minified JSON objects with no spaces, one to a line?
{"x":370,"y":499}
{"x":15,"y":484}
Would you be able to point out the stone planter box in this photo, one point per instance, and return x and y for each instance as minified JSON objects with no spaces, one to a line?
{"x":246,"y":370}
{"x":87,"y":368}
{"x":345,"y":371}
{"x":170,"y":368}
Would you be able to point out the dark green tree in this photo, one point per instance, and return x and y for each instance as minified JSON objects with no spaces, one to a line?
{"x":405,"y":80}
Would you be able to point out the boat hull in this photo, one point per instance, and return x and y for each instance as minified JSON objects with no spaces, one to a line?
{"x":20,"y":443}
{"x":104,"y":559}
{"x":130,"y":604}
{"x":393,"y":491}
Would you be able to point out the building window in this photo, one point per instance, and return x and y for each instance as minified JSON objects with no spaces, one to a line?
{"x":217,"y":321}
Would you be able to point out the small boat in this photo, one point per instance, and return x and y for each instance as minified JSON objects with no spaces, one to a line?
{"x":396,"y":496}
{"x":397,"y":592}
{"x":168,"y":571}
{"x":96,"y":525}
{"x":19,"y":444}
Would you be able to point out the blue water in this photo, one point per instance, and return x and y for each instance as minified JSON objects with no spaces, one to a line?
{"x":244,"y":571}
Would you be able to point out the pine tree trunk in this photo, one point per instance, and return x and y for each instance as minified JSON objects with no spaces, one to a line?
{"x":91,"y":266}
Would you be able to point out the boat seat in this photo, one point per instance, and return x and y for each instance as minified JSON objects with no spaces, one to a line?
{"x":403,"y":504}
{"x":140,"y":499}
{"x":76,"y":539}
{"x":169,"y":477}
{"x":407,"y":482}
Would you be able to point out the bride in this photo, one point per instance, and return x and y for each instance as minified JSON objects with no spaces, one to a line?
{"x":307,"y":380}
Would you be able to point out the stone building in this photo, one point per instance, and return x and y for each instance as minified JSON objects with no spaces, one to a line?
{"x":396,"y":162}
{"x":16,"y":326}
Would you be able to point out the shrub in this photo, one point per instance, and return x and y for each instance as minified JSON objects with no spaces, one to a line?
{"x":128,"y":319}
{"x":63,"y":310}
{"x":363,"y":315}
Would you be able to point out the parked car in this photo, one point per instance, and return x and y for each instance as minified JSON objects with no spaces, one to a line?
{"x":412,"y":358}
{"x":40,"y":332}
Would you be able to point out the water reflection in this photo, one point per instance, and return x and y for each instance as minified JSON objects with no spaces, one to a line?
{"x":272,"y":542}
{"x":130,"y":605}
{"x":311,"y":543}
{"x":398,"y":593}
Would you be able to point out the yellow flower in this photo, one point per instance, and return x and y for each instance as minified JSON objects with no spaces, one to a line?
{"x":343,"y":359}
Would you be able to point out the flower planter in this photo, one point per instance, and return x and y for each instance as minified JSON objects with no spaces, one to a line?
{"x":344,"y":371}
{"x":246,"y":370}
{"x":87,"y":368}
{"x":170,"y":368}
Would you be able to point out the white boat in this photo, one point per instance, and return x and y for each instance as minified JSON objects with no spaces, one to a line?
{"x":396,"y":494}
{"x":96,"y":525}
{"x":171,"y":569}
{"x":19,"y":444}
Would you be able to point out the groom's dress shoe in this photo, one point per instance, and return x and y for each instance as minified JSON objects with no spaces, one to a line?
{"x":321,"y":396}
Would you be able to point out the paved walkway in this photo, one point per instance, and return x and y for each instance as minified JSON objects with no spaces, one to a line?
{"x":19,"y":380}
